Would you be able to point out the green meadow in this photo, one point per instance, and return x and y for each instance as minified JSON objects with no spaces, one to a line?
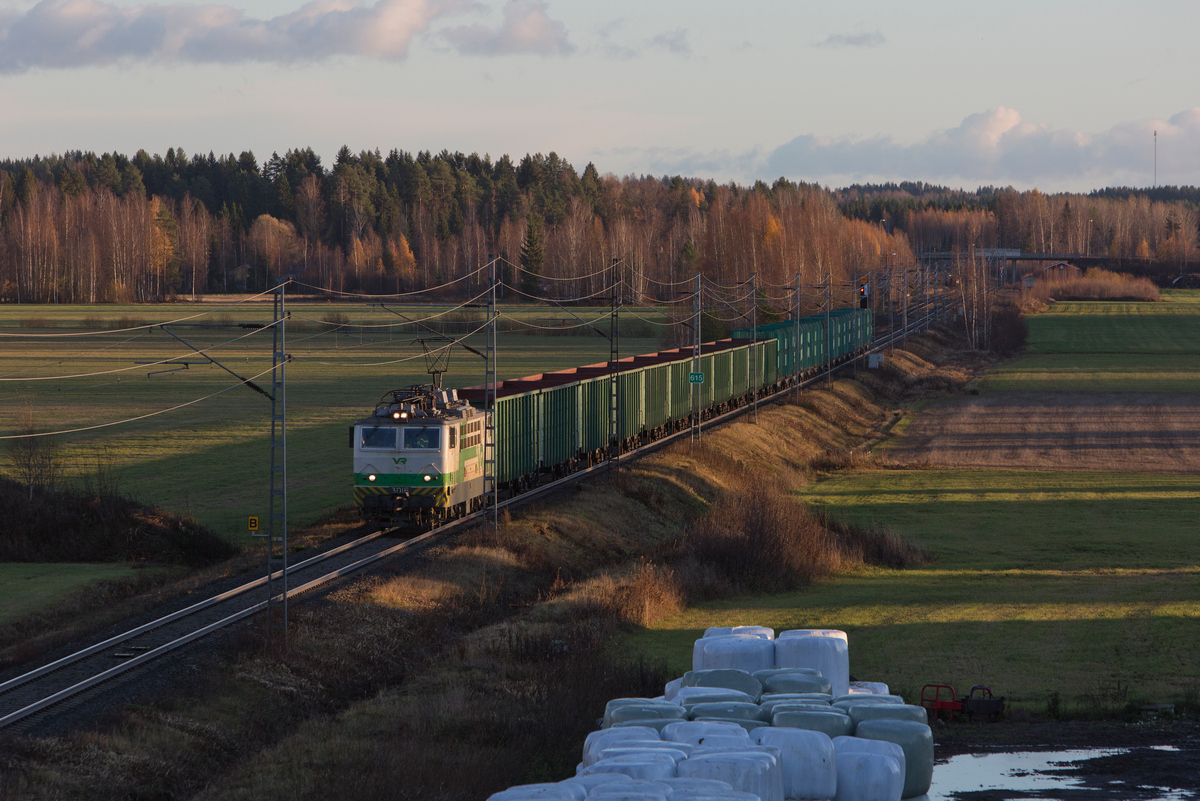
{"x":1082,"y":584}
{"x":1109,"y":347}
{"x":25,"y":588}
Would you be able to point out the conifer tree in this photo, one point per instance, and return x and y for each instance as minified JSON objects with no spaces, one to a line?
{"x":533,"y":253}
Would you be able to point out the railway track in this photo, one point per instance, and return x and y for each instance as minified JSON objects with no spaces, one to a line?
{"x":26,"y":698}
{"x":32,"y":693}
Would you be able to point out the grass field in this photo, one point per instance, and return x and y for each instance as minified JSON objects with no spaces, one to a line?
{"x":1027,"y":520}
{"x":24,"y":588}
{"x":1110,"y":347}
{"x":1082,"y":584}
{"x":1039,"y":587}
{"x":210,"y":459}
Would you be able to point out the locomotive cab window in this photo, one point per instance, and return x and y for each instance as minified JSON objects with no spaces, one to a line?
{"x":379,"y":438}
{"x":423,"y":439}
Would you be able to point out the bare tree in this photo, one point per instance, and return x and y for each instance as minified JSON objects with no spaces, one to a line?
{"x":34,"y":458}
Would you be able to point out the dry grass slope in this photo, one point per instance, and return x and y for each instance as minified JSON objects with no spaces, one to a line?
{"x":484,"y":663}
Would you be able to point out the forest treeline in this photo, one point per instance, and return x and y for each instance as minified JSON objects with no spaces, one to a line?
{"x":82,"y":228}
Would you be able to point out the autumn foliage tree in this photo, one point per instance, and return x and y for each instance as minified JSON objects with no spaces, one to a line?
{"x":83,"y":228}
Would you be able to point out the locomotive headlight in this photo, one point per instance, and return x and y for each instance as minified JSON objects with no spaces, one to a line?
{"x":396,"y":415}
{"x":371,"y":477}
{"x":428,"y":477}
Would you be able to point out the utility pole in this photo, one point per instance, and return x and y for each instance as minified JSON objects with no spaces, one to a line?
{"x":614,"y":357}
{"x":491,"y":484}
{"x":277,"y":528}
{"x":754,"y":354}
{"x":692,"y":383}
{"x":854,"y":345}
{"x":828,"y":333}
{"x":797,"y":351}
{"x":892,"y":301}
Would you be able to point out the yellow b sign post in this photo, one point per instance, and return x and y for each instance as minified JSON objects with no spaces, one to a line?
{"x":252,"y":523}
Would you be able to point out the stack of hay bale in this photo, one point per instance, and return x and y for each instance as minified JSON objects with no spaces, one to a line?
{"x":758,"y":718}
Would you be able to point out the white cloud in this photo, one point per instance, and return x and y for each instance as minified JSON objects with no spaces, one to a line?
{"x":998,"y":147}
{"x":526,"y":28}
{"x":612,"y":48}
{"x":995,"y":147}
{"x":82,"y":33}
{"x":615,"y":44}
{"x":840,"y":40}
{"x":675,"y":42}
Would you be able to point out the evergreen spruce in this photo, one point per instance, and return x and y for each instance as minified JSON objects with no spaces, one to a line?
{"x":533,"y":253}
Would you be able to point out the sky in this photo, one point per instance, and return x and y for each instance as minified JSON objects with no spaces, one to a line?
{"x":1056,"y":94}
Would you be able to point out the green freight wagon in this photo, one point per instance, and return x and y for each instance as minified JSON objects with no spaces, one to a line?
{"x":546,"y":421}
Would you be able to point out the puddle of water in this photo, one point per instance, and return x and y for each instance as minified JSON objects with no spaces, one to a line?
{"x":1024,"y":773}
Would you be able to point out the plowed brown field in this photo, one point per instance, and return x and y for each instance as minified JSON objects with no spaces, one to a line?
{"x":1121,"y":431}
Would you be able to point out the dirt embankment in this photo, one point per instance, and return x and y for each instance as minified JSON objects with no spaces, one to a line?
{"x":484,"y":663}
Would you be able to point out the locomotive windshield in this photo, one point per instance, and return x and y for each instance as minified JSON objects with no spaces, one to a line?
{"x":377,"y":437}
{"x":427,"y":438}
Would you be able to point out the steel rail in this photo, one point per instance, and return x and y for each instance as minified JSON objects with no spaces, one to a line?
{"x":172,"y":617}
{"x":196,"y":634}
{"x":61,"y":695}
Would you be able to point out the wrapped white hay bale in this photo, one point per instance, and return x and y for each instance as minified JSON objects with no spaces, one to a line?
{"x":723,"y":795}
{"x":818,"y":698}
{"x":869,"y":687}
{"x":540,"y":792}
{"x":835,"y":633}
{"x":648,"y":768}
{"x":710,"y":695}
{"x":832,"y":723}
{"x":795,"y":706}
{"x":830,"y":655}
{"x":746,"y":725}
{"x":749,"y":772}
{"x":868,"y":777}
{"x":692,"y":731}
{"x":635,"y":791}
{"x":696,"y":786}
{"x":861,"y":712}
{"x":597,"y":741}
{"x":753,"y":631}
{"x":739,"y":651}
{"x":847,"y":701}
{"x":620,"y":703}
{"x":763,"y":674}
{"x":728,"y":710}
{"x":858,"y":745}
{"x":651,"y":723}
{"x":645,"y":711}
{"x":917,"y":741}
{"x":807,"y":759}
{"x":726,"y":679}
{"x":725,"y":741}
{"x":588,"y":783}
{"x":797,"y":683}
{"x":671,"y":689}
{"x":639,"y":748}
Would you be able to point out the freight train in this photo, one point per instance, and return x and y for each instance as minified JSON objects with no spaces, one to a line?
{"x":419,"y":458}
